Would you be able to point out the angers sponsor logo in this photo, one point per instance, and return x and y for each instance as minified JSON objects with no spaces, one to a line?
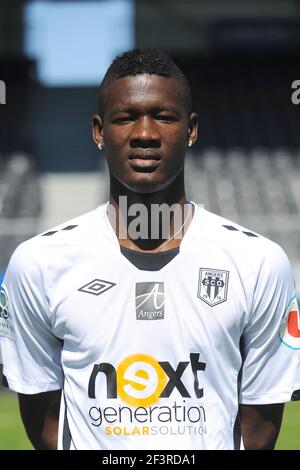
{"x":213,"y":286}
{"x":141,"y":380}
{"x":290,"y":328}
{"x":149,"y":300}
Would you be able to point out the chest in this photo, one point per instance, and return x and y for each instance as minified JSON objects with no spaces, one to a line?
{"x":194,"y":302}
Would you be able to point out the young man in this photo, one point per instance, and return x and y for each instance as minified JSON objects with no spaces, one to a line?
{"x":160,"y":341}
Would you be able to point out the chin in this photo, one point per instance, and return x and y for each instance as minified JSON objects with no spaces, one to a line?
{"x":141,"y":188}
{"x":145,"y":185}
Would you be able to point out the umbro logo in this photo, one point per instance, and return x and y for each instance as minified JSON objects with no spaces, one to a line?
{"x":96,"y":287}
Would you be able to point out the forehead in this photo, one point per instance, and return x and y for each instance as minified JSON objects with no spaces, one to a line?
{"x":144,"y":90}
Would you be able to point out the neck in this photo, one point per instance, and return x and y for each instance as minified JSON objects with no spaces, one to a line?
{"x":133,"y":215}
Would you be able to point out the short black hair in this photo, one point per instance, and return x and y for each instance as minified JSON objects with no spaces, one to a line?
{"x":140,"y":61}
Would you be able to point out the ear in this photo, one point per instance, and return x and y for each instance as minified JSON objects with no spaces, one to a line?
{"x":97,"y":128}
{"x":193,"y":127}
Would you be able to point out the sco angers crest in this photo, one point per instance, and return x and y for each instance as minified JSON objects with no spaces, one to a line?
{"x":213,"y":286}
{"x":290,"y":328}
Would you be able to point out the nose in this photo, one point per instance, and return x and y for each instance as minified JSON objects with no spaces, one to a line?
{"x":145,"y":134}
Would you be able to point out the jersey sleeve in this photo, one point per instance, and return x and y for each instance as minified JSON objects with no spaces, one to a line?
{"x":271,"y":339}
{"x":31,"y":354}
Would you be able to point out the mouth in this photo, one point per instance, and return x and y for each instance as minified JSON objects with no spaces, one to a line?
{"x":144,"y":161}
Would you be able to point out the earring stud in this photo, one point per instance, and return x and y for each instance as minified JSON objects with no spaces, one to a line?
{"x":190,"y":143}
{"x":100,"y":146}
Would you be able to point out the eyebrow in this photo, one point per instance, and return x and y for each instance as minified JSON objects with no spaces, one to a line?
{"x":120,"y":110}
{"x":155,"y":109}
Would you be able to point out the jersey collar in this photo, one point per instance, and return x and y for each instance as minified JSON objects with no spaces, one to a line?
{"x":190,"y":233}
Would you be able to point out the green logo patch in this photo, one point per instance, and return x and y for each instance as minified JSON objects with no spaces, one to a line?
{"x":4,"y":313}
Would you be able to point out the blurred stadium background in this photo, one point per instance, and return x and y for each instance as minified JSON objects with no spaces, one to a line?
{"x":241,"y":58}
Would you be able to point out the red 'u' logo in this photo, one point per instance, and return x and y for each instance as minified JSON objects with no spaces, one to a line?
{"x":292,"y":325}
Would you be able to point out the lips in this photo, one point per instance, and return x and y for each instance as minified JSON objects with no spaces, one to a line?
{"x":144,"y":161}
{"x":144,"y":156}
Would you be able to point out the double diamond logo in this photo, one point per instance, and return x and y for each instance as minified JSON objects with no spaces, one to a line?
{"x":96,"y":287}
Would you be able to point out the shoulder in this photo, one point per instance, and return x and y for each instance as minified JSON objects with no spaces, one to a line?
{"x":259,"y":252}
{"x":71,"y":231}
{"x":35,"y":253}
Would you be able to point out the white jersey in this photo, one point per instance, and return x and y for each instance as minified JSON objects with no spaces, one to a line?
{"x":152,"y":351}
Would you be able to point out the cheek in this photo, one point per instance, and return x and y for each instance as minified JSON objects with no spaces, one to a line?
{"x":177,"y":136}
{"x":116,"y":138}
{"x":175,"y":144}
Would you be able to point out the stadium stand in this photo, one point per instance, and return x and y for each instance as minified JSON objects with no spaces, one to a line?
{"x":19,"y":202}
{"x":258,"y":188}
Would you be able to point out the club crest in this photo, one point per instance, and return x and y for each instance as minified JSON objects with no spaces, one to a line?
{"x":213,"y":286}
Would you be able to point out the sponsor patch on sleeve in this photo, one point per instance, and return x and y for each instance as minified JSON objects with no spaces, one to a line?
{"x":6,"y":324}
{"x":290,"y":328}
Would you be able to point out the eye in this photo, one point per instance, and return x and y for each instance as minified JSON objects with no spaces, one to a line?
{"x":122,"y":120}
{"x":166,"y":118}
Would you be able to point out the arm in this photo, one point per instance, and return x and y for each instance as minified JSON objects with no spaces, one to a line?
{"x":40,"y":414}
{"x":260,"y":425}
